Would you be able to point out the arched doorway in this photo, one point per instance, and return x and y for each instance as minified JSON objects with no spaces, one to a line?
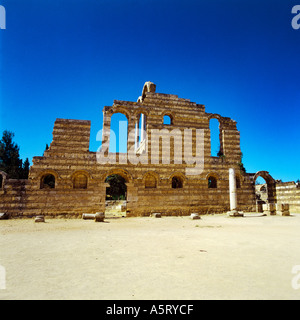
{"x":116,"y":196}
{"x":265,"y":188}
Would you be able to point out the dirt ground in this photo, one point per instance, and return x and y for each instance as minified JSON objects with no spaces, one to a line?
{"x":217,"y":257}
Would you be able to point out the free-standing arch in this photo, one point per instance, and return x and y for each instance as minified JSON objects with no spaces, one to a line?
{"x":271,"y":184}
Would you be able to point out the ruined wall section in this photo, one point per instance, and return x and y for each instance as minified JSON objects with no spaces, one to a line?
{"x":67,"y":156}
{"x":149,"y":185}
{"x":13,"y":197}
{"x":195,"y":196}
{"x":289,"y":192}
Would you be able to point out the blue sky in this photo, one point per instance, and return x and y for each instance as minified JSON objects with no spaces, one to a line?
{"x":69,"y":59}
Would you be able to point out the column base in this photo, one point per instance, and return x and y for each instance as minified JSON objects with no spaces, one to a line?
{"x":235,"y":213}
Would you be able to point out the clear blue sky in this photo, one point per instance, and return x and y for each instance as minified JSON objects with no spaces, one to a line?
{"x":69,"y":59}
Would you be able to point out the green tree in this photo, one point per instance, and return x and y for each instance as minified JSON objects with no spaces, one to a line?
{"x":117,"y":186}
{"x":10,"y":161}
{"x":25,"y":169}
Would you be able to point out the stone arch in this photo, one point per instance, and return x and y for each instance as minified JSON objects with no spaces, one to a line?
{"x":150,"y":179}
{"x":212,"y":179}
{"x":216,"y":116}
{"x":119,"y":109}
{"x":48,"y":181}
{"x":43,"y":174}
{"x":48,"y":171}
{"x":148,"y":87}
{"x":139,"y":111}
{"x":180,"y":178}
{"x":41,"y":178}
{"x":265,"y":175}
{"x":80,"y":179}
{"x":169,"y":114}
{"x":271,"y":184}
{"x":121,"y":172}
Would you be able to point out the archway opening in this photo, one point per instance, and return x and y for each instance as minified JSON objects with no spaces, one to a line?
{"x":167,"y":120}
{"x":265,"y":189}
{"x":177,"y":183}
{"x":212,"y":182}
{"x":261,"y":190}
{"x":117,"y":189}
{"x":118,"y":133}
{"x":215,"y":141}
{"x":48,"y":182}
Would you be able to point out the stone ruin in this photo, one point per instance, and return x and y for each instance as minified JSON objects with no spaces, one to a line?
{"x":168,"y":167}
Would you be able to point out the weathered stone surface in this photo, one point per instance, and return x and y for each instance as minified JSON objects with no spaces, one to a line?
{"x":283,"y":209}
{"x":160,"y":168}
{"x":4,"y":216}
{"x":99,"y":217}
{"x":39,"y":219}
{"x":195,"y":216}
{"x":88,"y":216}
{"x":156,"y":215}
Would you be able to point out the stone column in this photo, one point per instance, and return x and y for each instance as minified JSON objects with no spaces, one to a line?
{"x":232,"y":194}
{"x":232,"y":190}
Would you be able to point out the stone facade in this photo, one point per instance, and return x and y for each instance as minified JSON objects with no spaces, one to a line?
{"x":286,"y":193}
{"x":168,"y":168}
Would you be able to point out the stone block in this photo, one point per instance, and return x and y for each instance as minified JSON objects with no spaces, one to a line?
{"x":283,"y":209}
{"x":195,"y":216}
{"x":4,"y":216}
{"x":272,"y":208}
{"x":88,"y":216}
{"x":39,"y":219}
{"x":99,"y":217}
{"x":156,"y":215}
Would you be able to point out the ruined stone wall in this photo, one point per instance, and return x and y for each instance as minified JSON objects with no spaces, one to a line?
{"x":289,"y":192}
{"x":147,"y":170}
{"x":286,"y":193}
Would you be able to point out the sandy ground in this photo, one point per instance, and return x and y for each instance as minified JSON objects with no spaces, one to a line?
{"x":216,"y":257}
